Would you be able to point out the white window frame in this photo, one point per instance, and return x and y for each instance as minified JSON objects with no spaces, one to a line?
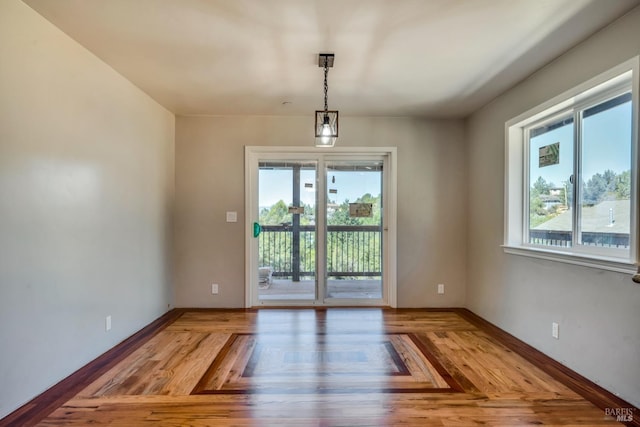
{"x":615,"y":81}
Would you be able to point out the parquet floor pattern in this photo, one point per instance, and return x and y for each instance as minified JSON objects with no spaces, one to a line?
{"x":158,"y":384}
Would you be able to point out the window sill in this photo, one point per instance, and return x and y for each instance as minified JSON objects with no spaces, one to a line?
{"x":601,"y":263}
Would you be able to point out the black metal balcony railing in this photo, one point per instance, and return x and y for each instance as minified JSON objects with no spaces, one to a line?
{"x":352,"y":250}
{"x":564,"y":238}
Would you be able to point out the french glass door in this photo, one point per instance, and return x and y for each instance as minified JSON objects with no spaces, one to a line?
{"x":318,"y":229}
{"x":353,"y":232}
{"x":286,"y":230}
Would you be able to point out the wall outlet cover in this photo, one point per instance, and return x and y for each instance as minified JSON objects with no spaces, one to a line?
{"x":555,"y":330}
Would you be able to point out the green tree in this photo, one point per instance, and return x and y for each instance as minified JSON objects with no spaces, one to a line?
{"x":278,"y":213}
{"x":309,"y":215}
{"x":538,"y":211}
{"x":594,"y":190}
{"x":340,"y":215}
{"x":607,"y":186}
{"x":541,"y":186}
{"x":623,"y":186}
{"x":609,"y":178}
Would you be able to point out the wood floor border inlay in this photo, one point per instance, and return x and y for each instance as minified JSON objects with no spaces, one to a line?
{"x":353,"y":364}
{"x":489,"y":376}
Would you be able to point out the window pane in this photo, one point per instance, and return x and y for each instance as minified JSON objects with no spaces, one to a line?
{"x":605,"y":196}
{"x":550,"y":190}
{"x":276,"y":194}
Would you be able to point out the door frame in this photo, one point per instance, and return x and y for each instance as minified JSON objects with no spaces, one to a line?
{"x":255,"y":153}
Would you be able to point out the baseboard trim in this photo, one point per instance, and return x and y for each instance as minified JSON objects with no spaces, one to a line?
{"x":42,"y":405}
{"x":586,"y":388}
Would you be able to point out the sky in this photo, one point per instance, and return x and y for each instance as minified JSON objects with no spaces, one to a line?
{"x":610,"y":126}
{"x":276,"y":184}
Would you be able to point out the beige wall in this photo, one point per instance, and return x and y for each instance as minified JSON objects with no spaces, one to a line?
{"x":86,"y":188}
{"x":210,"y":181}
{"x":598,"y":311}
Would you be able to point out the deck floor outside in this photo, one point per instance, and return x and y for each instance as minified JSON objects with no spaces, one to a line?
{"x":286,"y":289}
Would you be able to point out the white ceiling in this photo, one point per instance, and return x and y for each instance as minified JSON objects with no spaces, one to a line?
{"x":438,"y":58}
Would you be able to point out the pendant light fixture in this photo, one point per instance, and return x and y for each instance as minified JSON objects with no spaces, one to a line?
{"x":326,"y":120}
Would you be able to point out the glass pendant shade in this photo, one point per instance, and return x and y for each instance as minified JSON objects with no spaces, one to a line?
{"x":326,"y":128}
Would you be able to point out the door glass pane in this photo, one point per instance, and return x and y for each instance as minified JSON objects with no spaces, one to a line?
{"x":354,"y":230}
{"x":605,"y":199}
{"x":287,"y":242}
{"x":550,"y":187}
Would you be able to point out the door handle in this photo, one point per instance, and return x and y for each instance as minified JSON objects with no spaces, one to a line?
{"x":257,"y":229}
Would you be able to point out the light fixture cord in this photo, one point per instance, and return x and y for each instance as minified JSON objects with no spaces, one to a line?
{"x":326,"y":86}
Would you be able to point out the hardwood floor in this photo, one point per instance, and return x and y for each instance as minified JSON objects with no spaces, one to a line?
{"x":331,"y":367}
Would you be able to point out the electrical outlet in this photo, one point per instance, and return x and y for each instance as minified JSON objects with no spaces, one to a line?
{"x":214,"y":288}
{"x":555,"y":330}
{"x":107,"y":323}
{"x":441,"y":288}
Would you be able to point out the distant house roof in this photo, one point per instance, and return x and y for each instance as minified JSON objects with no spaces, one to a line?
{"x":595,"y":219}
